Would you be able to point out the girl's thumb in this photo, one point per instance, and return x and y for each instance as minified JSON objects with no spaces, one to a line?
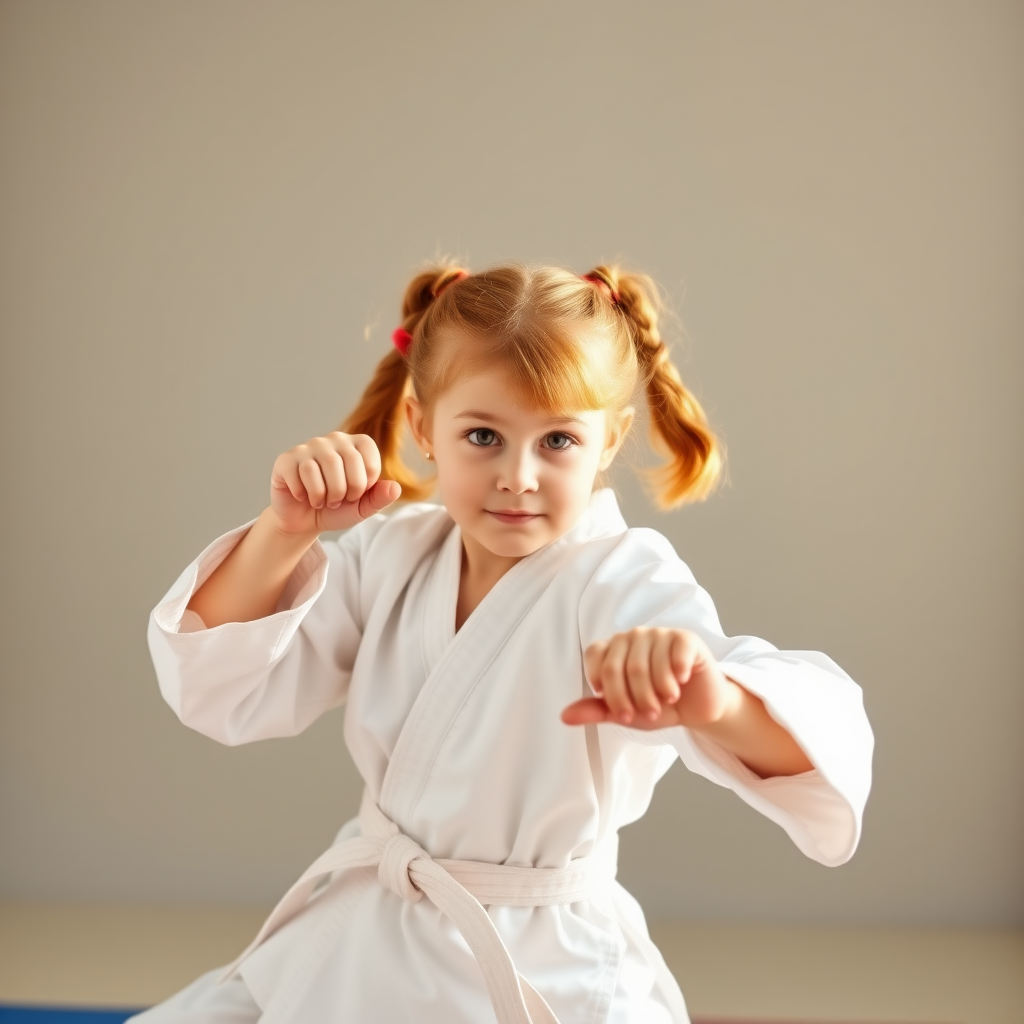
{"x":378,"y":497}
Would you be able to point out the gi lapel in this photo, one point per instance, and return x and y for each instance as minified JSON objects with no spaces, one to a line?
{"x":437,"y":616}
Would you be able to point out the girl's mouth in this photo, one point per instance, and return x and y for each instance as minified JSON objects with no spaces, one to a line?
{"x":513,"y":517}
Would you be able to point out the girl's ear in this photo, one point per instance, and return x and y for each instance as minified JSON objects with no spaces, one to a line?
{"x":618,"y":427}
{"x":416,"y":417}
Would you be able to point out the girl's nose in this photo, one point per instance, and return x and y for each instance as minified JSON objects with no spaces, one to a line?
{"x":517,"y":472}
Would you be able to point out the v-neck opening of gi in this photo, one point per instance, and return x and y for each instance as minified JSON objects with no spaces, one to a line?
{"x":455,"y":586}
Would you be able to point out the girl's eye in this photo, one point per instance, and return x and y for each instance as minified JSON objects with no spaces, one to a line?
{"x":559,"y":442}
{"x":482,"y":437}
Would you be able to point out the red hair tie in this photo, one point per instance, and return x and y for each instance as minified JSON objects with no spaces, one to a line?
{"x":401,"y":339}
{"x":601,"y":283}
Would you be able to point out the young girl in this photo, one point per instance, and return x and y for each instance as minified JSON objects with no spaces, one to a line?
{"x":519,"y":669}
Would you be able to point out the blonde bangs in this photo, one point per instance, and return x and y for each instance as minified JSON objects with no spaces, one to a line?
{"x":552,"y":372}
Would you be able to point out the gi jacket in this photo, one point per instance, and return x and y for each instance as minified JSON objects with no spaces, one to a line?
{"x":459,"y":740}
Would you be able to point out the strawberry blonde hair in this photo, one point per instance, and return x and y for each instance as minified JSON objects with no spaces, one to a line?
{"x":565,"y":342}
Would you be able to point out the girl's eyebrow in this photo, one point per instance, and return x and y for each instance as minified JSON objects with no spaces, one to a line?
{"x":474,"y":414}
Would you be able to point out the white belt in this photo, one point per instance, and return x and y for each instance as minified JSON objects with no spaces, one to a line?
{"x":460,"y":888}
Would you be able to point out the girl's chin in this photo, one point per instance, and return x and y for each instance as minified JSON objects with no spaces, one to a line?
{"x":510,"y":547}
{"x":514,"y":550}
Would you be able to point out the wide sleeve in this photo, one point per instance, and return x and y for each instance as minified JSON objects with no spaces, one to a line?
{"x":244,"y":681}
{"x":643,"y":582}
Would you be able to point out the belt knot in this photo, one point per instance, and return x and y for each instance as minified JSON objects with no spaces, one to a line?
{"x":393,"y":871}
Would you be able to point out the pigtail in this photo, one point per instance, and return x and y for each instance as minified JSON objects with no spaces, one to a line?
{"x":679,"y":427}
{"x":381,"y":409}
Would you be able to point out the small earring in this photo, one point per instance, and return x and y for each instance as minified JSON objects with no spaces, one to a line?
{"x":427,"y":455}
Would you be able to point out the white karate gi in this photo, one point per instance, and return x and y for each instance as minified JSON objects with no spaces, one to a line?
{"x":459,"y":741}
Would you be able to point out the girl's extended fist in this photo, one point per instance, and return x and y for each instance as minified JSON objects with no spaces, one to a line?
{"x":329,"y":483}
{"x":651,"y":678}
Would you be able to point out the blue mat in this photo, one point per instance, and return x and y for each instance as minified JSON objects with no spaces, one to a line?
{"x":61,"y":1015}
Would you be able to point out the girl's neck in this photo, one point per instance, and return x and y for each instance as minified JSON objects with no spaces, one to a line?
{"x":481,"y":564}
{"x":481,"y":569}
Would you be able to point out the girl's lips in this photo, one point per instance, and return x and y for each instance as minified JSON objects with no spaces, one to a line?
{"x":514,"y":518}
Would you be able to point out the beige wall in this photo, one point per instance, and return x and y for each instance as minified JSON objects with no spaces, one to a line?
{"x":202,"y":207}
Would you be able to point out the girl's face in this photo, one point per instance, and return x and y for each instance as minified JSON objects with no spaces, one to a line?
{"x":513,"y":478}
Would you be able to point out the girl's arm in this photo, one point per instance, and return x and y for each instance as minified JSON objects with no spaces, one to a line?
{"x":328,"y":483}
{"x":642,"y":582}
{"x":286,"y":637}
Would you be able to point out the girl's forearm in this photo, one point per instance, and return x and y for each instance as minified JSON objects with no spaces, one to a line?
{"x":749,"y":732}
{"x":249,"y":582}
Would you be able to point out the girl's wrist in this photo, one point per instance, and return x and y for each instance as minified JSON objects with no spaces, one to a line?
{"x":731,"y":713}
{"x":747,"y":730}
{"x":287,"y":541}
{"x":736,"y":698}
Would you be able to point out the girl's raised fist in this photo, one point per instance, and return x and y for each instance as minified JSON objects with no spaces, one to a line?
{"x":653,"y":678}
{"x":329,"y":483}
